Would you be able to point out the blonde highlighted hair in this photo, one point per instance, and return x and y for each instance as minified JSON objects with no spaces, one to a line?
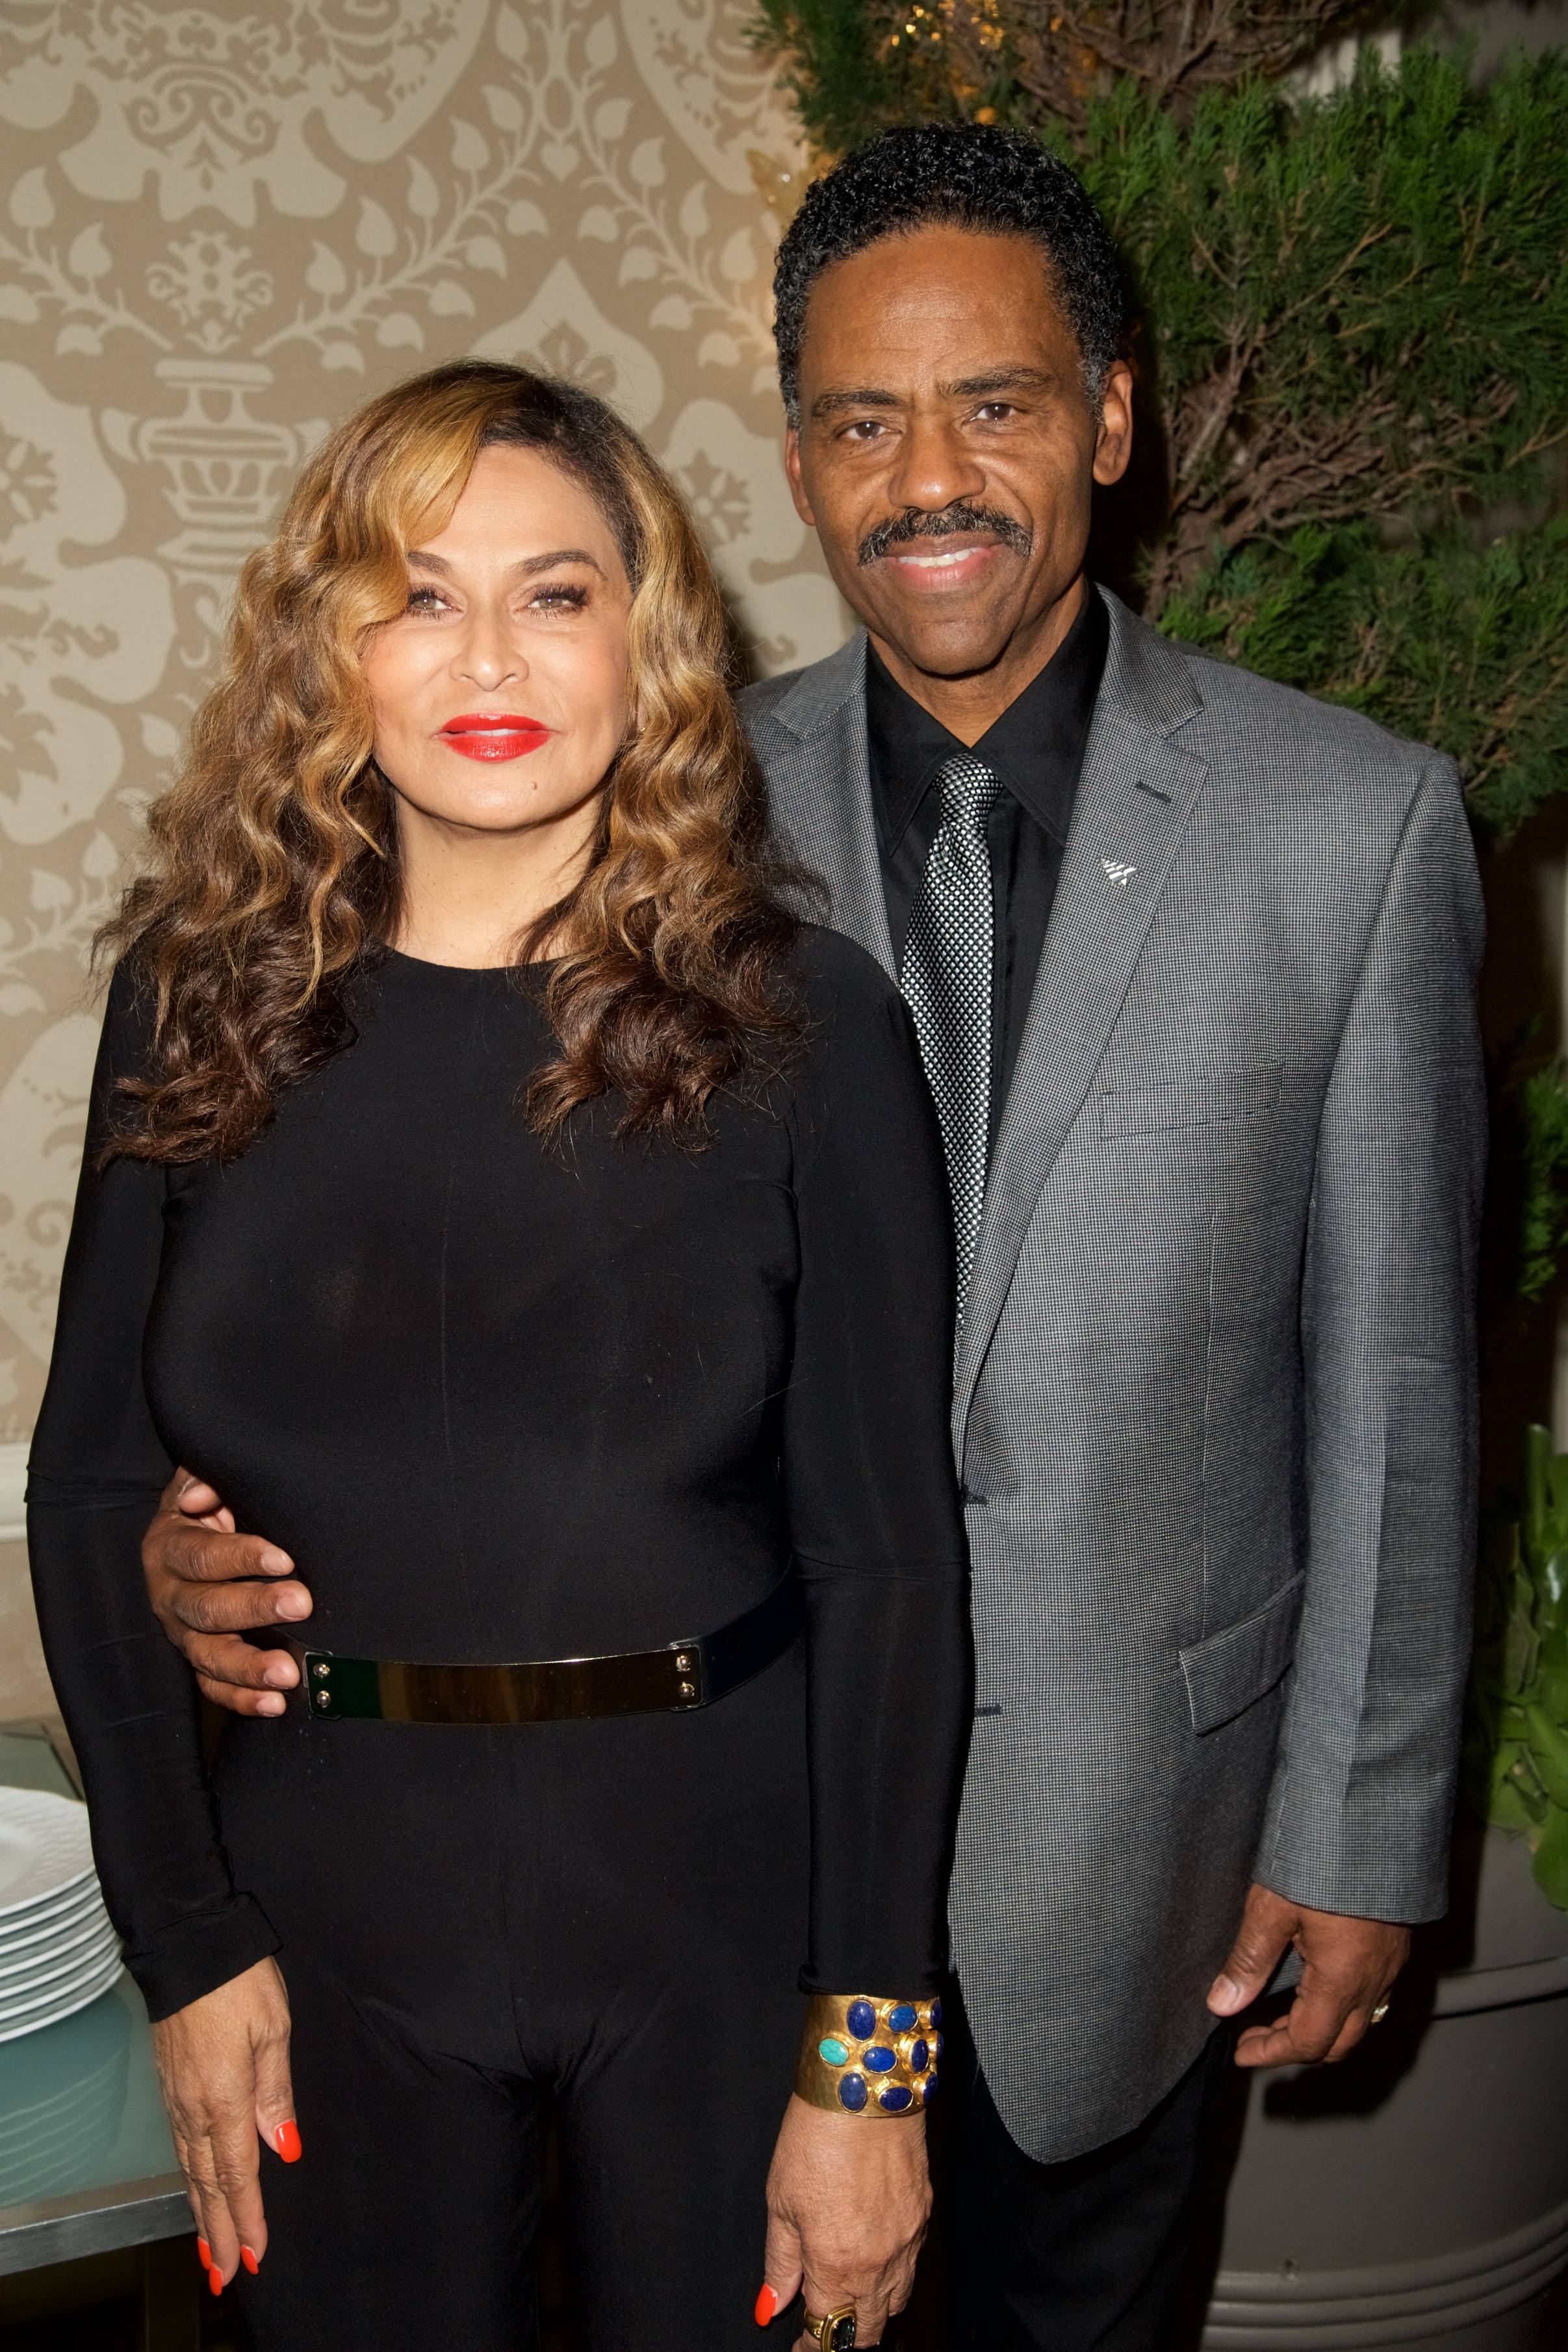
{"x":275,"y":869}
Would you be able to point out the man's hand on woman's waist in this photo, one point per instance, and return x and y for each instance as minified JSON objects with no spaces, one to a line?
{"x":209,"y":1587}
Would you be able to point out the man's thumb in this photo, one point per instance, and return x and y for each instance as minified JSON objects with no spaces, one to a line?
{"x":1252,"y":1960}
{"x":781,"y":2270}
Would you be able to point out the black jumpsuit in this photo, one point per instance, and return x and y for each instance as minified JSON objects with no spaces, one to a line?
{"x":500,"y":1400}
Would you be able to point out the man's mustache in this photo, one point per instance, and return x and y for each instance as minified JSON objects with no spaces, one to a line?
{"x":913,"y":523}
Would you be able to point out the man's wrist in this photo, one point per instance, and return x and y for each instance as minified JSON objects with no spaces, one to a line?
{"x":870,"y":2055}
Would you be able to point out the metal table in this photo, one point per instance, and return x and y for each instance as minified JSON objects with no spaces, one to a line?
{"x":87,"y":2165}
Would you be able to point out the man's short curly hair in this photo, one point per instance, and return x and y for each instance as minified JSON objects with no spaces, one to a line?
{"x":964,"y":175}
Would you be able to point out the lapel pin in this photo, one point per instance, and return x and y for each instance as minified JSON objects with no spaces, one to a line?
{"x":1116,"y":873}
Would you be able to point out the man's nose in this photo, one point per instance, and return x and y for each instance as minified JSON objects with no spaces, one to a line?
{"x":933,"y":467}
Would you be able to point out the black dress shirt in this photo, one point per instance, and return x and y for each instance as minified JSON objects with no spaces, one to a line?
{"x":1036,"y":749}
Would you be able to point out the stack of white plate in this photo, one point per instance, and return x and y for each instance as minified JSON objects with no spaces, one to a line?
{"x":57,"y":1950}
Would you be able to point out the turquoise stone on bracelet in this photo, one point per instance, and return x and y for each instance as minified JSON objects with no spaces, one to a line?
{"x":835,"y":2051}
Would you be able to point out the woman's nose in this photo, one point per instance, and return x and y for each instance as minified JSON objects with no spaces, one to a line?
{"x":488,"y":656}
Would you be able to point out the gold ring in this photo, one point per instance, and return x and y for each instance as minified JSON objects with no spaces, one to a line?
{"x":1380,"y":2013}
{"x":835,"y":2331}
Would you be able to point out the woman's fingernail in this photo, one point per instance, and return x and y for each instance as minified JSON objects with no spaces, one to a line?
{"x":248,"y":2259}
{"x":285,"y":2140}
{"x":204,"y":2253}
{"x":216,"y":2279}
{"x":767,"y":2307}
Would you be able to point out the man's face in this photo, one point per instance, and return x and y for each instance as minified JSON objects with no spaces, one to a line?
{"x":947,"y":447}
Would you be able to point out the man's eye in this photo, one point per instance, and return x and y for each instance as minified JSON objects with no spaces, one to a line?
{"x":994,"y":408}
{"x":864,"y":429}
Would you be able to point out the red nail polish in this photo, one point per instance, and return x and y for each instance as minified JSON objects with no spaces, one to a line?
{"x":216,"y":2279}
{"x":285,"y":2140}
{"x":248,"y":2259}
{"x":204,"y":2253}
{"x":767,"y":2307}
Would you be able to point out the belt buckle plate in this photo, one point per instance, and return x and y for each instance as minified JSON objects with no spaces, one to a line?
{"x":690,"y":1678}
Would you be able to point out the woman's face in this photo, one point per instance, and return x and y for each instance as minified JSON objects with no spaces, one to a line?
{"x":500,"y":694}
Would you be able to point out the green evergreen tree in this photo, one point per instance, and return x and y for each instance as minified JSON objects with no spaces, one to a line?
{"x":1352,"y":338}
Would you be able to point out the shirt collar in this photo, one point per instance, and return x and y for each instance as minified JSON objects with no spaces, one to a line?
{"x":1035,"y":747}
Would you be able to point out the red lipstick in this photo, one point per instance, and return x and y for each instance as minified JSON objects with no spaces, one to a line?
{"x":494,"y":735}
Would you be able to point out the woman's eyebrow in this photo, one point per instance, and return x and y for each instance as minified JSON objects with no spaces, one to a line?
{"x":530,"y":565}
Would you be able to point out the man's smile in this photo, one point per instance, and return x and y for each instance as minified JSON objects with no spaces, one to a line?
{"x":940,"y":569}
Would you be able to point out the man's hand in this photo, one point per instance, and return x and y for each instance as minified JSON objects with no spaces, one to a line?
{"x":208,"y":1585}
{"x":848,"y":2202}
{"x":1348,"y":1967}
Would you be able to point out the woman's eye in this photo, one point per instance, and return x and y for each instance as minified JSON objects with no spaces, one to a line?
{"x":425,"y":600}
{"x":560,"y":600}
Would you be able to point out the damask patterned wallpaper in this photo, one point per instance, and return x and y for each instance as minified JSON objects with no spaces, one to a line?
{"x":220,"y":227}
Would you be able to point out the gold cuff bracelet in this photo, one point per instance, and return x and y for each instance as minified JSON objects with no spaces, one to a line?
{"x":862,"y":2056}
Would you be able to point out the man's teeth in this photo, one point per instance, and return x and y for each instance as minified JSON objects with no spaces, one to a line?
{"x":954,"y":555}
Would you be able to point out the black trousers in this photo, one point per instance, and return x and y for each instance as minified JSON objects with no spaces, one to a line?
{"x":600,"y":1922}
{"x":1094,"y":2254}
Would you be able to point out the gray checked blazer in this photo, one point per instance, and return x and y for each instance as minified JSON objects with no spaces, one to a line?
{"x":1215,"y":1402}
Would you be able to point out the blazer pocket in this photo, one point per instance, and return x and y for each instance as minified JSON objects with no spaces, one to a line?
{"x":1226,"y":1673}
{"x":1204,"y":1099}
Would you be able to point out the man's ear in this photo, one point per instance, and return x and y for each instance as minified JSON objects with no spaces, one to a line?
{"x":1113,"y":436}
{"x":793,"y":475}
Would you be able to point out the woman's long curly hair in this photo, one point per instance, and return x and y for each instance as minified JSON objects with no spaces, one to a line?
{"x":275,"y":875}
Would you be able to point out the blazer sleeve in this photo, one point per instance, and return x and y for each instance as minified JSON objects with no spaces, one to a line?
{"x":97,"y":1469}
{"x":874,"y":1517}
{"x":1361,"y":1805}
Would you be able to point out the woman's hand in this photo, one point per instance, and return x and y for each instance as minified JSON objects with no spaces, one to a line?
{"x":223,"y":2062}
{"x":848,"y":2202}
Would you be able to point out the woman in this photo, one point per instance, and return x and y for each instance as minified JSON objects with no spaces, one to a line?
{"x":543,"y":1236}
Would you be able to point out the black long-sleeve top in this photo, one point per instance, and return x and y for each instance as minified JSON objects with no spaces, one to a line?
{"x":503,"y":1400}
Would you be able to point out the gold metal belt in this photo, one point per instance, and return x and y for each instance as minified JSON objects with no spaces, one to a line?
{"x":674,"y":1680}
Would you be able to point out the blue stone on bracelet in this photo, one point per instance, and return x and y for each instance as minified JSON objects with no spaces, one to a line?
{"x":834,"y":2051}
{"x":901,"y":2018}
{"x":918,"y":2055}
{"x":936,"y":2012}
{"x":862,"y":2019}
{"x":879,"y":2060}
{"x":895,"y":2097}
{"x":930,"y":2091}
{"x":853,"y":2094}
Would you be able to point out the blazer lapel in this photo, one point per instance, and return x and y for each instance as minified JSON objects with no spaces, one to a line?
{"x":1136,"y":798}
{"x":821,"y":798}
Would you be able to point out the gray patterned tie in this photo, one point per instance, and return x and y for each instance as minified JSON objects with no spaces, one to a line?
{"x":946,"y":978}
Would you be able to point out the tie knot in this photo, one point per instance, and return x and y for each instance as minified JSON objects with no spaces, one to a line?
{"x":968,"y":791}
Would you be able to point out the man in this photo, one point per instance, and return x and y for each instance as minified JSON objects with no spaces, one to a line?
{"x":1192,"y":963}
